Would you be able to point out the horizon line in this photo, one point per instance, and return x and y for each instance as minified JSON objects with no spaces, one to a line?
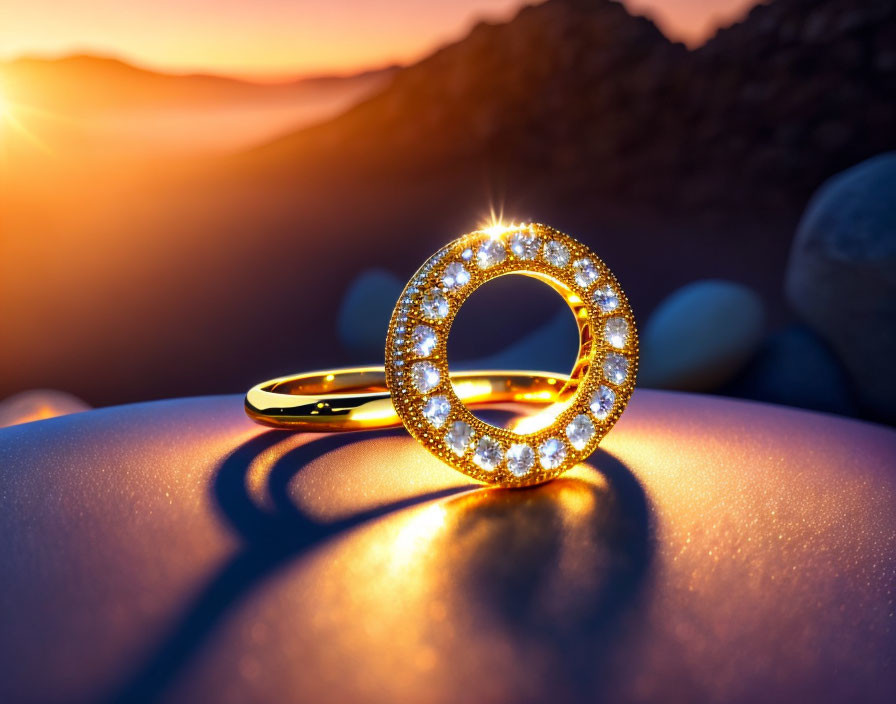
{"x":291,"y":75}
{"x":188,"y":72}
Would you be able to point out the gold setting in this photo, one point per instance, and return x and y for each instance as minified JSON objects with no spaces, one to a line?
{"x":417,"y":364}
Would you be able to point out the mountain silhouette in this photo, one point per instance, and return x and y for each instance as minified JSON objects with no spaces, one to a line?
{"x":602,"y":101}
{"x":672,"y":164}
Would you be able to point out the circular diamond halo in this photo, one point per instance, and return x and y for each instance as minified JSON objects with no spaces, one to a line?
{"x":601,"y":383}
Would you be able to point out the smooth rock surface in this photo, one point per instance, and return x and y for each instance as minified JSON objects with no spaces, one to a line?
{"x":701,"y":336}
{"x":365,"y":311}
{"x":841,"y":278}
{"x":712,"y":551}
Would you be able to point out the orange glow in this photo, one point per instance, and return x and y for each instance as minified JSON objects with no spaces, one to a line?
{"x":13,"y":126}
{"x":545,"y":396}
{"x":30,"y":406}
{"x":266,"y":38}
{"x":416,"y":535}
{"x":381,"y":412}
{"x":41,"y":413}
{"x":271,"y":38}
{"x":471,"y":391}
{"x":704,"y":527}
{"x":494,"y":224}
{"x":538,"y":421}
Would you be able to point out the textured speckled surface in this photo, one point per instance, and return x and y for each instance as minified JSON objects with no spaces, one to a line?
{"x":712,"y":550}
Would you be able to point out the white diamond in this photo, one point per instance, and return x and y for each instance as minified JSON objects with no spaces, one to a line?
{"x":524,"y":245}
{"x":616,"y":332}
{"x":455,"y":276}
{"x":602,"y":402}
{"x":424,"y":340}
{"x":434,"y":305}
{"x":586,"y":272}
{"x":615,"y":368}
{"x":488,"y":453}
{"x":490,"y":253}
{"x":551,"y":453}
{"x":436,"y":411}
{"x":520,"y":458}
{"x":556,"y":253}
{"x":606,"y":298}
{"x":580,"y":431}
{"x":425,"y":376}
{"x":467,"y":254}
{"x":459,"y":437}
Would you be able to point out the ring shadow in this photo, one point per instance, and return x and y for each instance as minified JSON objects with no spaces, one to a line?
{"x":275,"y":537}
{"x":509,"y":555}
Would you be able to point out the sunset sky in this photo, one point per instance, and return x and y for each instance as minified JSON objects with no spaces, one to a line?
{"x":283,"y":37}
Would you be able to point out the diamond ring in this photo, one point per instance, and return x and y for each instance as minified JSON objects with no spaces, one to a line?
{"x":417,"y":389}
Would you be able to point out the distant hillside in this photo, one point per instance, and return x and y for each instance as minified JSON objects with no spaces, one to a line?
{"x":605,"y":103}
{"x":95,"y":108}
{"x":88,"y":83}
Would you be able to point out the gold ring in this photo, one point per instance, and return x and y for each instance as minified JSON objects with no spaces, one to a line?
{"x":358,"y":399}
{"x":417,"y":389}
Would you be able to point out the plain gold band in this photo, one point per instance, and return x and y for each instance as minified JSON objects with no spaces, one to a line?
{"x":357,"y":398}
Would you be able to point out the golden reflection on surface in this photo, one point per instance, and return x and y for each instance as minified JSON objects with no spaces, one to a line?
{"x":605,"y":580}
{"x":424,"y":526}
{"x":417,"y":535}
{"x":495,"y":582}
{"x":705,"y":534}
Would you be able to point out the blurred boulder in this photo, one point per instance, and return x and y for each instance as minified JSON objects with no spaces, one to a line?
{"x":701,"y":336}
{"x":38,"y":404}
{"x":795,"y":367}
{"x":365,"y":312}
{"x":538,"y":350}
{"x":841,"y":278}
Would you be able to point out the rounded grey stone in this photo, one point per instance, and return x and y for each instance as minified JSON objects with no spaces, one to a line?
{"x":841,"y":277}
{"x":701,"y":336}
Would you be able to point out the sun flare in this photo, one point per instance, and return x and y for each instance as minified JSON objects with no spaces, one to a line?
{"x":12,"y":126}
